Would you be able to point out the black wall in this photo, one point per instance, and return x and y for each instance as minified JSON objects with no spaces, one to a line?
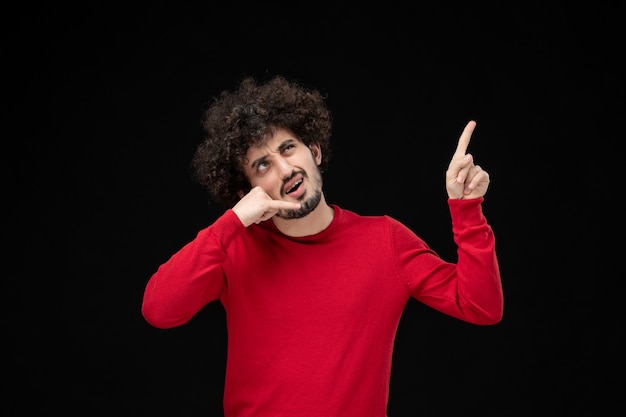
{"x":101,"y":114}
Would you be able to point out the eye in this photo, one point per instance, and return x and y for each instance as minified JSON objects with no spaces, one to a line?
{"x":262,"y":166}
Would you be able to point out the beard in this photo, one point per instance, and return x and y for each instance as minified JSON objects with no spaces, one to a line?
{"x":307,"y":205}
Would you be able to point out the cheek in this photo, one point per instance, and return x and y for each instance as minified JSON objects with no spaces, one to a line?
{"x":268,"y":183}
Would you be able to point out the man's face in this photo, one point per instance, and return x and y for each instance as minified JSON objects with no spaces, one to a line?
{"x":287,"y":170}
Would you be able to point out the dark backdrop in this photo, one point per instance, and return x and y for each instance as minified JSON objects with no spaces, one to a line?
{"x":101,"y":114}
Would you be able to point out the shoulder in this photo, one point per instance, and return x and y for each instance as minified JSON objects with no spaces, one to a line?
{"x":349,"y":217}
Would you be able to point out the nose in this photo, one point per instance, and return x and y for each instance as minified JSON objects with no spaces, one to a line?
{"x":284,"y":167}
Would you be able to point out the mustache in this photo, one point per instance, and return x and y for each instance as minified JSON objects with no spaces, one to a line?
{"x":293,"y":174}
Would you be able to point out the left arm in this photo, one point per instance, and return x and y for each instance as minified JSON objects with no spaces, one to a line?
{"x":471,"y":289}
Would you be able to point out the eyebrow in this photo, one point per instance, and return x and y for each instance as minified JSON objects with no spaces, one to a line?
{"x":279,"y":149}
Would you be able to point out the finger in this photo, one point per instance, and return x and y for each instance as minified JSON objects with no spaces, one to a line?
{"x":282,"y":205}
{"x":464,"y":170}
{"x":464,"y":139}
{"x":274,"y":207}
{"x":479,"y":178}
{"x":474,"y":178}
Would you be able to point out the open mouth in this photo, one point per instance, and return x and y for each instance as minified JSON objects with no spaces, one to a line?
{"x":295,"y":186}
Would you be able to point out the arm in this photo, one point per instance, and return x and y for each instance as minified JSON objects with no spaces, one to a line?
{"x":471,"y":289}
{"x":192,"y":277}
{"x":480,"y":287}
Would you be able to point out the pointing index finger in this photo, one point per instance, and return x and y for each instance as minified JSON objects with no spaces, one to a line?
{"x":464,"y":139}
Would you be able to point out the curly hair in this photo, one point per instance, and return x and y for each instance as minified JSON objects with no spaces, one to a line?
{"x":238,"y":120}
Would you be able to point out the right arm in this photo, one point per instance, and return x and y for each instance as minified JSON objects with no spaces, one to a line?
{"x":192,"y":277}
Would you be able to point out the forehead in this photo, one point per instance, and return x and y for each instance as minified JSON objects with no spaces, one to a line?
{"x":271,"y":143}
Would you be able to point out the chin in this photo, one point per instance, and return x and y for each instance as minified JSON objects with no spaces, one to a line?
{"x":308,"y":206}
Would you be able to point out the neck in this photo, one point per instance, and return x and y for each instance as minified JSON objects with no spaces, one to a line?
{"x":313,"y":223}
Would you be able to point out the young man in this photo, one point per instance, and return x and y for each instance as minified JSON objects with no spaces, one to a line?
{"x":313,"y":293}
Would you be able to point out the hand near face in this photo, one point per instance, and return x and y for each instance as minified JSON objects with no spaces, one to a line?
{"x":257,"y":206}
{"x":464,"y":179}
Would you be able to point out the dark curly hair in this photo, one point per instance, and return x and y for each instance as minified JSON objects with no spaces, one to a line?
{"x":238,"y":120}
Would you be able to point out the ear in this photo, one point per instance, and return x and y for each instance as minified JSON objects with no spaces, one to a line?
{"x":240,"y":194}
{"x":317,"y":152}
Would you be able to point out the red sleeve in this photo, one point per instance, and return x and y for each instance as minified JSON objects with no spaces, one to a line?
{"x":192,"y":277}
{"x":469,"y":290}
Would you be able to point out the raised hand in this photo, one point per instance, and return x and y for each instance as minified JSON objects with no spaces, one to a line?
{"x":464,"y":179}
{"x":258,"y":206}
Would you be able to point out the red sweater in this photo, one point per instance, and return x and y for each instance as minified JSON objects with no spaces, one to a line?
{"x":311,"y":320}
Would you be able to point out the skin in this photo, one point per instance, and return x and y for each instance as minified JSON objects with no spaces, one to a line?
{"x":272,"y":169}
{"x":464,"y":179}
{"x":283,"y":160}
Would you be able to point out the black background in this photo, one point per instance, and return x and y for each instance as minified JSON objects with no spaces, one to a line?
{"x":101,"y":111}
